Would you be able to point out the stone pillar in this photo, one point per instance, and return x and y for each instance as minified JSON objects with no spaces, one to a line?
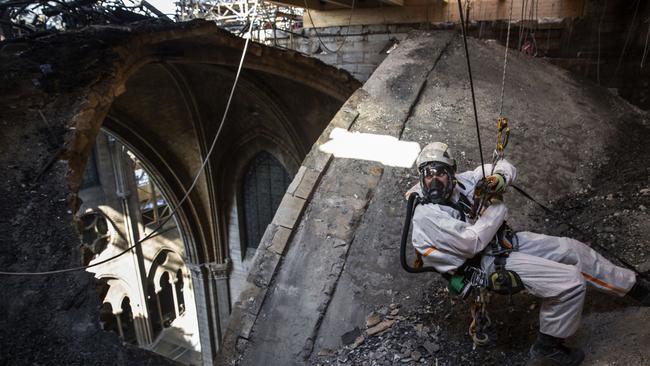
{"x":125,"y":188}
{"x":160,"y":314}
{"x":118,"y":319}
{"x":174,"y":296}
{"x":209,"y":343}
{"x":219,"y":272}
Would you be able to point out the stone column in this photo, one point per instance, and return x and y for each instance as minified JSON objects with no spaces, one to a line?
{"x":212,"y":300}
{"x":209,"y":343}
{"x":125,"y":187}
{"x":118,"y":319}
{"x":160,"y":314}
{"x":174,"y":296}
{"x":219,"y":272}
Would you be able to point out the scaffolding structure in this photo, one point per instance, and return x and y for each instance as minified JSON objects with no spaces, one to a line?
{"x":271,"y":21}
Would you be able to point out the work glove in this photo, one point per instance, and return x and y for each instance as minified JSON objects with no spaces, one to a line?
{"x":496,"y":183}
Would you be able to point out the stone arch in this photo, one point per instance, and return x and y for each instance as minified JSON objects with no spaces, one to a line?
{"x":173,"y":263}
{"x":281,"y":84}
{"x":118,"y":289}
{"x":161,"y":172}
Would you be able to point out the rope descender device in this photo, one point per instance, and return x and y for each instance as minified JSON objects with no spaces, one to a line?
{"x":503,"y":136}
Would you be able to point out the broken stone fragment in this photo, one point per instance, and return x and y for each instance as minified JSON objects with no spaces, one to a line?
{"x":380,"y":327}
{"x":326,"y":352}
{"x":372,"y":319}
{"x":415,"y":355}
{"x":431,"y":347}
{"x":351,"y":336}
{"x":358,"y":342}
{"x":393,"y":306}
{"x":394,"y":312}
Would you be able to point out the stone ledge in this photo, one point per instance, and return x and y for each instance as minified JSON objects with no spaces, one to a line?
{"x":280,"y":240}
{"x":264,"y":264}
{"x":244,"y":321}
{"x":304,"y":182}
{"x":250,"y":300}
{"x":289,"y":211}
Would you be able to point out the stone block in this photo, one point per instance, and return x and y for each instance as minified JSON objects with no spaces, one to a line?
{"x":317,"y":160}
{"x":269,"y":233}
{"x":344,"y":117}
{"x":366,"y":68}
{"x":379,"y":37}
{"x":307,"y":184}
{"x":296,"y":180}
{"x":328,"y":58}
{"x":263,"y":268}
{"x":246,"y":325}
{"x":280,"y":240}
{"x":352,"y":57}
{"x":251,"y":298}
{"x":289,"y":211}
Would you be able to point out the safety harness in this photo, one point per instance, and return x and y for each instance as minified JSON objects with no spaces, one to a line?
{"x":470,"y":276}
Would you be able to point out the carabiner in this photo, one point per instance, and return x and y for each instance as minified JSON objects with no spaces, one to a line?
{"x":502,"y":138}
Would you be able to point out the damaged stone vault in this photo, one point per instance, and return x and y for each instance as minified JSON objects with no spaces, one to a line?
{"x":324,"y":269}
{"x":329,"y":258}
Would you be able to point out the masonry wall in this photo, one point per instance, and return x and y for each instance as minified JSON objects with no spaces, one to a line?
{"x":357,"y":49}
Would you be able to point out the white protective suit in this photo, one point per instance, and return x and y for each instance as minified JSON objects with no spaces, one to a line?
{"x":552,"y":268}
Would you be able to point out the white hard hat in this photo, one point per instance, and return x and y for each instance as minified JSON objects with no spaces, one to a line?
{"x":436,"y":152}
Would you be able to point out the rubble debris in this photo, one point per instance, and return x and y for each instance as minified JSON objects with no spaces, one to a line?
{"x":380,"y":327}
{"x":372,"y":319}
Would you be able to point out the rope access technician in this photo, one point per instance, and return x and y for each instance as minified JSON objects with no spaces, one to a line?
{"x":555,"y":269}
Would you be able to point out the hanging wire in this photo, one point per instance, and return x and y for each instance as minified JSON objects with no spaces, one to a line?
{"x":189,"y":190}
{"x":320,"y":40}
{"x":645,"y":49}
{"x":471,"y":84}
{"x":600,"y":24}
{"x":627,"y":40}
{"x":505,"y":61}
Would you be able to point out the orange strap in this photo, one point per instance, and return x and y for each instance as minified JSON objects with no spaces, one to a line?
{"x":418,"y":262}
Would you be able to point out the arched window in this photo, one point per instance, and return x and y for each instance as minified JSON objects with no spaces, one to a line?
{"x":265,"y":183}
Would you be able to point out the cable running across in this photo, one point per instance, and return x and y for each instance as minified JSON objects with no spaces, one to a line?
{"x":189,"y":190}
{"x":318,"y":35}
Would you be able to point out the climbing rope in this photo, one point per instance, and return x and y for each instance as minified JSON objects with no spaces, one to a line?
{"x":480,"y":319}
{"x":471,"y":84}
{"x":627,"y":40}
{"x":505,"y":61}
{"x":189,"y":190}
{"x":645,"y":48}
{"x":600,"y":25}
